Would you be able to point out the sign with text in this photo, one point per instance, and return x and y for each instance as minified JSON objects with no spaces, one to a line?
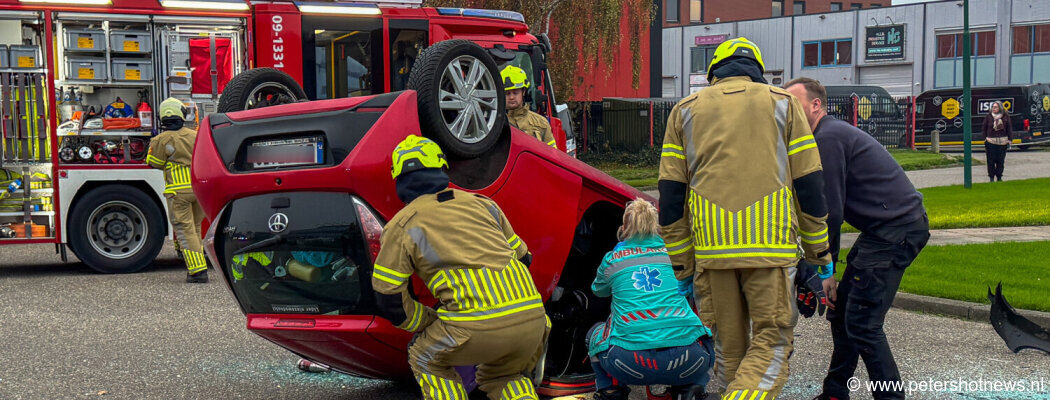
{"x":710,"y":40}
{"x":985,"y":105}
{"x":884,"y":43}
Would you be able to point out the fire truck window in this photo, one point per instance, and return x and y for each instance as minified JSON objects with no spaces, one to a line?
{"x":343,"y":63}
{"x":404,"y":51}
{"x":524,"y":61}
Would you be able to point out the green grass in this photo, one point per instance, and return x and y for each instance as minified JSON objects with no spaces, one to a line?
{"x":637,"y":176}
{"x":964,"y":272}
{"x":1009,"y":203}
{"x":912,"y":160}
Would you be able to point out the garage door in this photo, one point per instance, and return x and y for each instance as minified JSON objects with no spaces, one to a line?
{"x":897,"y":79}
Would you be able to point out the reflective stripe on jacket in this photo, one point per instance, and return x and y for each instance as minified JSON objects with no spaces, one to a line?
{"x":172,"y":151}
{"x":533,"y":124}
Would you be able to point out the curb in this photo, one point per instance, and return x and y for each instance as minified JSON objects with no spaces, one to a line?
{"x":959,"y":309}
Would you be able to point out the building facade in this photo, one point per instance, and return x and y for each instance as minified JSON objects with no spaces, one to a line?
{"x":906,"y":49}
{"x":692,"y":12}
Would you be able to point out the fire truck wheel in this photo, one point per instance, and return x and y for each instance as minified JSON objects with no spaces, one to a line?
{"x":461,"y":100}
{"x":257,"y":88}
{"x":116,"y":229}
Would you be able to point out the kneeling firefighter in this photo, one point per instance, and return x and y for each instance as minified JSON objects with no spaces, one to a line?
{"x":465,"y":251}
{"x":172,"y":151}
{"x":653,"y":336}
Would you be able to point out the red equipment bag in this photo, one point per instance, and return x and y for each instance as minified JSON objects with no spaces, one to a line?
{"x":202,"y":54}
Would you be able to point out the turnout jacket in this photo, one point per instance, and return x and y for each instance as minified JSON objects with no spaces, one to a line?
{"x":533,"y":124}
{"x":737,"y":150}
{"x":464,"y":249}
{"x":172,"y":151}
{"x":647,"y":311}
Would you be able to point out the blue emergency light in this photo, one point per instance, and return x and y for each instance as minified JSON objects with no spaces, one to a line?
{"x":472,"y":12}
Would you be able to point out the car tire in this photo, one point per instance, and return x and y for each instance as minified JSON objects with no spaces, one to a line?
{"x":465,"y":117}
{"x":257,"y":88}
{"x":116,"y":229}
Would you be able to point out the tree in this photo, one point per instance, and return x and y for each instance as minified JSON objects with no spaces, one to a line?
{"x":583,"y":33}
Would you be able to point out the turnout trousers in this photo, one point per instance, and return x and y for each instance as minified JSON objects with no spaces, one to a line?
{"x":874,"y":268}
{"x":753,"y":316}
{"x":186,"y":215}
{"x":505,"y":358}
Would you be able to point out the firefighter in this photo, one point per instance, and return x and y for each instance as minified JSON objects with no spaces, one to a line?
{"x":172,"y":151}
{"x":740,"y":190}
{"x":515,"y":83}
{"x":489,"y":312}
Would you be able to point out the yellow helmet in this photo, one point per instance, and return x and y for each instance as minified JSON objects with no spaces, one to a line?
{"x":416,"y":152}
{"x":172,"y":107}
{"x":739,"y":47}
{"x":514,"y":78}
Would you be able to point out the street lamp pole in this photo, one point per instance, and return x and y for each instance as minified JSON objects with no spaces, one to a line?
{"x":966,"y":103}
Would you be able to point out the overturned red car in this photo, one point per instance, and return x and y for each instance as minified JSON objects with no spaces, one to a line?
{"x":298,"y":194}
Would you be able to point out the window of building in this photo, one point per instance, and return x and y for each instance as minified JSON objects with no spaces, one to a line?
{"x":799,"y":8}
{"x":700,"y":57}
{"x":836,"y":6}
{"x":1031,"y":54}
{"x":875,"y":6}
{"x":855,"y":6}
{"x":778,"y":8}
{"x":672,"y":7}
{"x":949,"y":63}
{"x":827,"y":53}
{"x":695,"y":8}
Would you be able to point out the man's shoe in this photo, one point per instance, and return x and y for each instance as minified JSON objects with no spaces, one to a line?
{"x":613,"y":393}
{"x":200,"y":277}
{"x":688,"y":392}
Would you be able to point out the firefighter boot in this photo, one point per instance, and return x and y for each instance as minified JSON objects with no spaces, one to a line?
{"x":613,"y":393}
{"x":688,"y":392}
{"x":200,"y":277}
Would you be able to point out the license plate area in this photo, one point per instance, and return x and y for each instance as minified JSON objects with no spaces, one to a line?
{"x":284,"y":152}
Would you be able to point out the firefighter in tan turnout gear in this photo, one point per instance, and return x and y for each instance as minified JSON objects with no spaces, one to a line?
{"x":741,"y":189}
{"x":463,"y":248}
{"x":515,"y":83}
{"x":172,"y":151}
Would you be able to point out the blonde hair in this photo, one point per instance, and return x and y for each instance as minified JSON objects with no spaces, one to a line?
{"x":640,"y":218}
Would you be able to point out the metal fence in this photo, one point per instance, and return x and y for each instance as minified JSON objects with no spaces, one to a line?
{"x":891,"y":121}
{"x":621,"y":124}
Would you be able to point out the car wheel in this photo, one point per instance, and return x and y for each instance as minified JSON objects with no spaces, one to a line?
{"x":461,"y":102}
{"x":257,"y":88}
{"x":116,"y":229}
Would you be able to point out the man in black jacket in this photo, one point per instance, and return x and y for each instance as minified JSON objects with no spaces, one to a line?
{"x":865,"y":187}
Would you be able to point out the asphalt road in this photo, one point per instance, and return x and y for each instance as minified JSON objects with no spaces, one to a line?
{"x":67,"y":333}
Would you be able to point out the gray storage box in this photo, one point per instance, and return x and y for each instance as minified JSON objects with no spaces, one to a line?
{"x":85,"y":40}
{"x":86,"y":68}
{"x":3,"y":56}
{"x":130,"y":42}
{"x":24,"y":57}
{"x":132,"y":69}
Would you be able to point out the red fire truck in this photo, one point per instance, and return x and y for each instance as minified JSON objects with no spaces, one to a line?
{"x":77,"y":79}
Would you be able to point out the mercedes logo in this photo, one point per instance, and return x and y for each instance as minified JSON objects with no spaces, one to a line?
{"x":278,"y":222}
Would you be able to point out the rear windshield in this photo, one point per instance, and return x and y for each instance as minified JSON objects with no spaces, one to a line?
{"x":316,"y":262}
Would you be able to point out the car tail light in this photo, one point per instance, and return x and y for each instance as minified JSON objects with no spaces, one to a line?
{"x":209,"y":242}
{"x":373,"y":230}
{"x":1027,"y":124}
{"x":295,"y":323}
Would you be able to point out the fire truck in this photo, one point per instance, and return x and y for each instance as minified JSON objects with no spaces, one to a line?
{"x":78,"y":79}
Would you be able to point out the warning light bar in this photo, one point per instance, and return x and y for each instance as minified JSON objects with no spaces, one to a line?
{"x":237,"y":5}
{"x":338,"y":8}
{"x":473,"y":12}
{"x":72,"y":2}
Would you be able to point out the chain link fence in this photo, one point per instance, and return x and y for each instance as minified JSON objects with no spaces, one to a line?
{"x":891,"y":121}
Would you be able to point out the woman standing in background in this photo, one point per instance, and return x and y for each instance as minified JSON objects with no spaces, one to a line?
{"x":997,"y":135}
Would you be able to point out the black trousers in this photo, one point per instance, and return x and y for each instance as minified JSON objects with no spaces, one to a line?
{"x":875,"y":266}
{"x":996,"y":157}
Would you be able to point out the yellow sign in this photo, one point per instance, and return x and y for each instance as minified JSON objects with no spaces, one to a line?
{"x":1046,"y":103}
{"x":864,"y":110}
{"x":131,"y":45}
{"x":26,"y":62}
{"x":950,"y":108}
{"x":1008,"y":105}
{"x":132,"y":74}
{"x":85,"y":43}
{"x":85,"y":73}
